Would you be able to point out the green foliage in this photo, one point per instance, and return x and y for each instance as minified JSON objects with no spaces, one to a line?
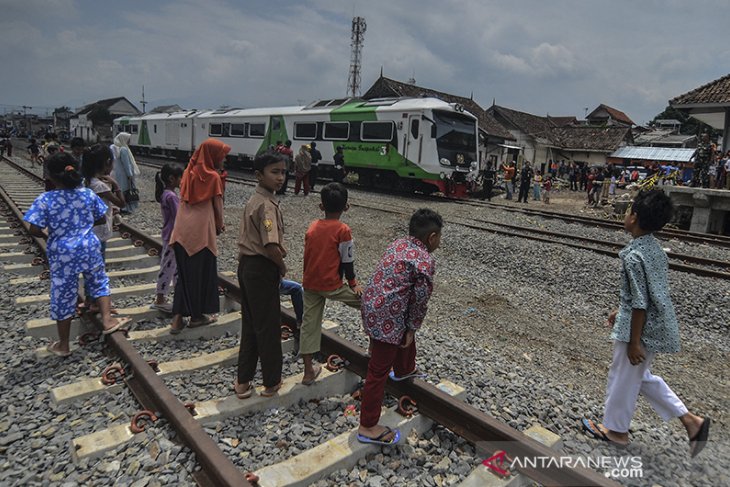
{"x":690,"y":125}
{"x":99,"y":115}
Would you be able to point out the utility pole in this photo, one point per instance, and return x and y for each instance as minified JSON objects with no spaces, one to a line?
{"x":25,"y":117}
{"x":142,"y":102}
{"x":357,"y":38}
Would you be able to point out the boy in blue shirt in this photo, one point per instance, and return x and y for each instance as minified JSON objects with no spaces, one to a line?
{"x":645,"y":324}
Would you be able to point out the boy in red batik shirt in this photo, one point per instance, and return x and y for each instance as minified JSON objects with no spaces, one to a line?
{"x":394,"y":305}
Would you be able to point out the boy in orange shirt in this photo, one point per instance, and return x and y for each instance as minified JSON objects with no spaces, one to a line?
{"x":328,"y":255}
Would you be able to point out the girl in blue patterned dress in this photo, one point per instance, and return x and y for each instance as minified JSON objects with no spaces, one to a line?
{"x":69,"y":213}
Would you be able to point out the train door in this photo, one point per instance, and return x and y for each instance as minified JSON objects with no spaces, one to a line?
{"x":413,"y":140}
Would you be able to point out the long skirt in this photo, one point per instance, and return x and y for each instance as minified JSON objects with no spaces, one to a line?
{"x":196,"y":290}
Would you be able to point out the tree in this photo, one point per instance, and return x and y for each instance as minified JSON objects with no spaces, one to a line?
{"x":99,"y":115}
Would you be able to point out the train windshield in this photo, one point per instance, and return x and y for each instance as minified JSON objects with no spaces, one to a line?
{"x":456,"y":138}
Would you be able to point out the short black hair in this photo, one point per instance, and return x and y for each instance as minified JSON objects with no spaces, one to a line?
{"x":334,"y":197}
{"x":424,"y":222}
{"x":78,"y":142}
{"x":63,"y":168}
{"x":267,"y":159}
{"x":653,"y":209}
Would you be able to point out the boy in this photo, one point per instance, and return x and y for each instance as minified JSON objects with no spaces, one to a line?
{"x":394,"y":305}
{"x":328,"y":254}
{"x":260,"y":270}
{"x":644,"y":325}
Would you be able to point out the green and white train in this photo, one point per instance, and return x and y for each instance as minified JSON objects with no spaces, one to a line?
{"x":410,"y":144}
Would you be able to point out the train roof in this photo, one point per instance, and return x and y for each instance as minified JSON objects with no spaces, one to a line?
{"x":316,"y":108}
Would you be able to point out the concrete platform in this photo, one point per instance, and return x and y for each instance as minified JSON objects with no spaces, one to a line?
{"x":710,"y":207}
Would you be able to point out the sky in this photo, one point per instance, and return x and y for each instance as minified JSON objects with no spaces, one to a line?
{"x":554,"y":57}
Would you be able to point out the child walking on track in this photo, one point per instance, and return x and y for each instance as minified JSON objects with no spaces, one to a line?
{"x":69,"y":213}
{"x":394,"y":305}
{"x":644,"y":325}
{"x":260,"y":270}
{"x":329,"y":253}
{"x":166,"y":181}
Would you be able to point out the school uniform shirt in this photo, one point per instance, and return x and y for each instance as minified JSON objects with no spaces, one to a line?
{"x":329,"y":253}
{"x":262,"y":224}
{"x":645,"y":285}
{"x":105,"y":230}
{"x":396,"y":298}
{"x":69,"y":215}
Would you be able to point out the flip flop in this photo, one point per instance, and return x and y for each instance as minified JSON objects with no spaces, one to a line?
{"x":317,"y":371}
{"x":120,"y":323}
{"x":243,"y":395}
{"x":700,"y":439}
{"x":51,"y":348}
{"x":416,"y":374}
{"x":164,"y":307}
{"x":206,"y":321}
{"x":595,"y":430}
{"x":177,"y":331}
{"x":269,"y":392}
{"x":378,"y":440}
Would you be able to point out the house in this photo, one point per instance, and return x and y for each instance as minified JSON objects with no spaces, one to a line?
{"x":664,"y":138}
{"x":605,"y":115}
{"x":710,"y":103}
{"x":541,"y":139}
{"x":93,"y":122}
{"x":166,"y":109}
{"x":493,"y":134}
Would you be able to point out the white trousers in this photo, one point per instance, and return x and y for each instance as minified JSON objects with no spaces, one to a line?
{"x":626,"y":382}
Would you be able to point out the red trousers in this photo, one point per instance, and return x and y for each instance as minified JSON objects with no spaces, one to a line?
{"x":298,"y":183}
{"x":384,"y":356}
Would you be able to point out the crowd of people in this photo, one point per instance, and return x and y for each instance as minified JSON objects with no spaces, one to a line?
{"x":393,"y":303}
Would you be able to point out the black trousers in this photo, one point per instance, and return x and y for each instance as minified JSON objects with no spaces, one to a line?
{"x":259,"y":280}
{"x":313,"y":177}
{"x":524,"y":190}
{"x":196,"y":290}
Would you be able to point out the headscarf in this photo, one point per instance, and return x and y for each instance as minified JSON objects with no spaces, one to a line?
{"x":201,"y":181}
{"x":122,"y":140}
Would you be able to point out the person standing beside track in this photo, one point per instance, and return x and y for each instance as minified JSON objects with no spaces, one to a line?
{"x":644,"y":325}
{"x":261,"y":269}
{"x":125,"y":170}
{"x":199,"y":219}
{"x":286,"y":151}
{"x":525,"y":180}
{"x":302,"y":167}
{"x":509,"y":174}
{"x":316,"y":157}
{"x":69,"y":213}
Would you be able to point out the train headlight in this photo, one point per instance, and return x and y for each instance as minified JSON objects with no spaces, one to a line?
{"x":442,"y":175}
{"x":474,"y":165}
{"x":444,"y":162}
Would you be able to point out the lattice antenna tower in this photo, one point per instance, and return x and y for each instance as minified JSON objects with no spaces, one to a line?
{"x":143,"y":102}
{"x":356,"y":40}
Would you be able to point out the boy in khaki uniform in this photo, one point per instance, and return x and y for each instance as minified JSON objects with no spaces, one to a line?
{"x":260,"y":270}
{"x":328,"y":256}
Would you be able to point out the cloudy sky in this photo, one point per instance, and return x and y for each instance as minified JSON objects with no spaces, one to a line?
{"x":540,"y":56}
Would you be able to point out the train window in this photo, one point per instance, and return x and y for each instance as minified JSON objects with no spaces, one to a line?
{"x":226,"y":129}
{"x":133,"y":128}
{"x":336,"y":130}
{"x":154,"y":128}
{"x":237,"y":130}
{"x":415,"y":125}
{"x":216,"y":130}
{"x":305,"y":130}
{"x":257,"y":130}
{"x":376,"y":131}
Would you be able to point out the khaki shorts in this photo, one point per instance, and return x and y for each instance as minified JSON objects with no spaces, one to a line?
{"x":314,"y":301}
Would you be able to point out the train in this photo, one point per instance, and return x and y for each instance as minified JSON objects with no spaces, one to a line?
{"x":408,"y":144}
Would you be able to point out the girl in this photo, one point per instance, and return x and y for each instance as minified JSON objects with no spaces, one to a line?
{"x":199,"y":219}
{"x":547,"y":186}
{"x":69,"y":213}
{"x":97,"y":166}
{"x":536,"y":183}
{"x":166,"y":181}
{"x":125,"y":168}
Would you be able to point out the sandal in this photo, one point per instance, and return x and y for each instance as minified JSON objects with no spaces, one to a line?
{"x":245,"y":394}
{"x":164,"y":307}
{"x":697,"y":442}
{"x":598,"y":432}
{"x":120,"y":323}
{"x":53,"y":348}
{"x":378,"y":440}
{"x":177,"y":331}
{"x":207,"y":320}
{"x":317,"y":371}
{"x":416,"y":374}
{"x":271,"y":391}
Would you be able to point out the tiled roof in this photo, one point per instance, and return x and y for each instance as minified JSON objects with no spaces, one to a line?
{"x":590,"y":138}
{"x":533,"y":125}
{"x":563,"y":121}
{"x":106,"y":103}
{"x":386,"y":87}
{"x":615,"y":114}
{"x":717,"y":91}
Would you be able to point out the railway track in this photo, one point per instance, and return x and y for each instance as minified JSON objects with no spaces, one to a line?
{"x":692,"y":264}
{"x":131,"y":256}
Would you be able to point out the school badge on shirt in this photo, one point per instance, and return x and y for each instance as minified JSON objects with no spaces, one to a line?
{"x":268,"y":225}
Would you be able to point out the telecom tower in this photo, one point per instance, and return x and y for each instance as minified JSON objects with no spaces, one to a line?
{"x":358,"y":36}
{"x":143,"y":102}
